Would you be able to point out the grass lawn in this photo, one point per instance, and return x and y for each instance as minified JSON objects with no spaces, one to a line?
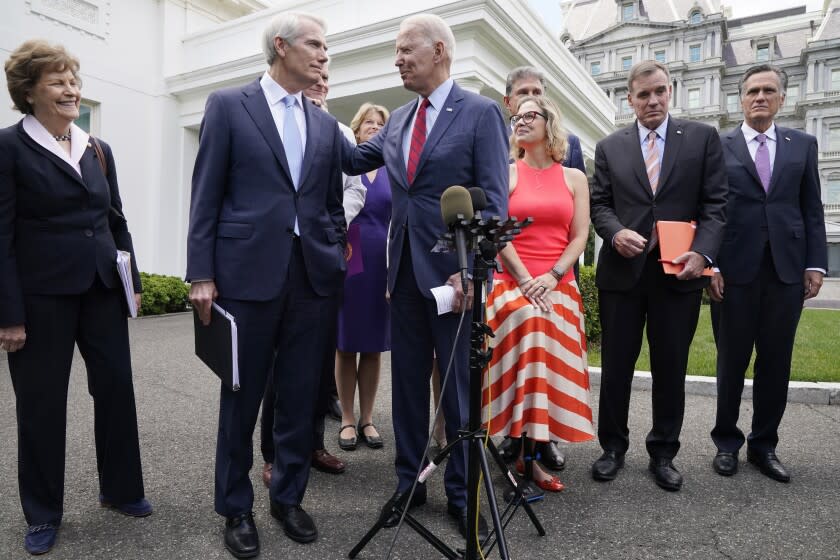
{"x":816,"y":353}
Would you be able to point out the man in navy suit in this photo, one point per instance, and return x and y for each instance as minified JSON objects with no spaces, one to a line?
{"x":266,"y":241}
{"x":523,"y":81}
{"x":446,"y":136}
{"x":773,"y":257}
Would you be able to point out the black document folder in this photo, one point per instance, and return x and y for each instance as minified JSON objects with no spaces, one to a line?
{"x":216,"y":345}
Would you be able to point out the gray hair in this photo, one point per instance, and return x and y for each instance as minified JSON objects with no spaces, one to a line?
{"x":521,"y":73}
{"x":759,"y":68}
{"x":434,"y":29}
{"x":646,"y":68}
{"x":287,"y":27}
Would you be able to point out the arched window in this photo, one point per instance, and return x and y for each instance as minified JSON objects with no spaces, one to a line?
{"x":696,"y":16}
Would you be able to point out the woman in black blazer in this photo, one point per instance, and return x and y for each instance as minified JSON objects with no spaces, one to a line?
{"x":61,"y":225}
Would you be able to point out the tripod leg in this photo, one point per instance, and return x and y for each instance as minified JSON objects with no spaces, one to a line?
{"x":368,"y":536}
{"x":512,"y":482}
{"x":439,"y":545}
{"x":491,"y":499}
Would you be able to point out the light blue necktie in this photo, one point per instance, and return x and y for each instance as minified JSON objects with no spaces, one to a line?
{"x":291,"y":140}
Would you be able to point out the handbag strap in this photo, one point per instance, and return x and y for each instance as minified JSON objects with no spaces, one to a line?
{"x":100,"y":155}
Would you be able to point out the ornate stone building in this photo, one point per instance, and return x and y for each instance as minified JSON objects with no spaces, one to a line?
{"x":707,"y":52}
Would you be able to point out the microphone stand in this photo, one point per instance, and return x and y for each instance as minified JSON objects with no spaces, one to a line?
{"x":488,"y":236}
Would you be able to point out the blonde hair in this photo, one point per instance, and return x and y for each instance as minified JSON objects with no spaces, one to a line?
{"x":556,"y":138}
{"x":363,"y":112}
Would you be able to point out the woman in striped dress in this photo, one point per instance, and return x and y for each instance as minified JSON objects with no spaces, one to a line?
{"x":538,"y":381}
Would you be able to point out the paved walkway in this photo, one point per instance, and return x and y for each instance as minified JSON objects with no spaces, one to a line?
{"x":746,"y":517}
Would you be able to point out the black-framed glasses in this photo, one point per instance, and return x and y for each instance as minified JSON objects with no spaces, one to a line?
{"x":526,"y":118}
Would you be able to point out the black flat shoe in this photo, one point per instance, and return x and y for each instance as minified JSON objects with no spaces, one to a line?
{"x":769,"y":465}
{"x":665,"y":474}
{"x":551,"y":456}
{"x":347,"y":444}
{"x":459,"y":514}
{"x":510,"y":448}
{"x":374,"y":442}
{"x":391,"y":516}
{"x":297,"y":524}
{"x":725,"y":463}
{"x":607,"y":466}
{"x":241,"y":537}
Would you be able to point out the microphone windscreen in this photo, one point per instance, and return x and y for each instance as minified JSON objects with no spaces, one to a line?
{"x":478,"y":198}
{"x":455,"y":200}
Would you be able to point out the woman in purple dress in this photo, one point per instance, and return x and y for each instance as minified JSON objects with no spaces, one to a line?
{"x":364,"y":323}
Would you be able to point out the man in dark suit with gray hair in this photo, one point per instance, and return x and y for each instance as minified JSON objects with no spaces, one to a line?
{"x":773,"y":257}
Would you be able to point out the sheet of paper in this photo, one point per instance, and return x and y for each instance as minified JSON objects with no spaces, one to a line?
{"x":124,"y":270}
{"x":444,"y":297}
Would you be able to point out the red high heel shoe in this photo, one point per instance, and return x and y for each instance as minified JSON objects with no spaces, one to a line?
{"x":553,"y":484}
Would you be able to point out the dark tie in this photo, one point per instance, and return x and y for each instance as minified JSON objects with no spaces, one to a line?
{"x":418,"y":138}
{"x":762,"y":161}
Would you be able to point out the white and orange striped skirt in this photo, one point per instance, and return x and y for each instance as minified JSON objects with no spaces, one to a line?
{"x":538,"y":379}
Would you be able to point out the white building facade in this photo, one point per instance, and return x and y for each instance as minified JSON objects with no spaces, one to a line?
{"x":148,"y":66}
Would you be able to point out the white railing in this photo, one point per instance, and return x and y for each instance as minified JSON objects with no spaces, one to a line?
{"x":831,"y":208}
{"x":834,"y":154}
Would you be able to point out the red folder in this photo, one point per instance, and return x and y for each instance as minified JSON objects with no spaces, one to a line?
{"x":675,"y":238}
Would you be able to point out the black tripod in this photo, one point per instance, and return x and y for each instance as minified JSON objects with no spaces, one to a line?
{"x":487,"y":236}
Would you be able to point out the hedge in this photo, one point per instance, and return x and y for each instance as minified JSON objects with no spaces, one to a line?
{"x":589,"y":293}
{"x":163,"y":294}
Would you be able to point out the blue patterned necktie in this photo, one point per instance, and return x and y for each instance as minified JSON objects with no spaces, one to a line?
{"x":291,"y":140}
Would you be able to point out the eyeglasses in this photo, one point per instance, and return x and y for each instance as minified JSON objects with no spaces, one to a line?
{"x":526,"y":118}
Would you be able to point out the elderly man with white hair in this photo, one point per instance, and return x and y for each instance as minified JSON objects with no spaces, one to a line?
{"x":445,"y":136}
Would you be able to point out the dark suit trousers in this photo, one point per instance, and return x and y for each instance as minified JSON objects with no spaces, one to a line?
{"x":417,"y":334}
{"x":671,"y":318}
{"x":763,"y":314}
{"x":288,"y":331}
{"x":40,"y":372}
{"x":326,"y":391}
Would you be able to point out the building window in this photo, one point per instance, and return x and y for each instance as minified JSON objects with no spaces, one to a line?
{"x":835,"y":79}
{"x":762,"y":53}
{"x":659,"y":56}
{"x":627,"y":11}
{"x":623,"y":106}
{"x":695,"y":17}
{"x":834,"y":139}
{"x":595,"y":68}
{"x":792,"y":96}
{"x":694,"y":98}
{"x":694,"y":53}
{"x":832,"y":191}
{"x":626,"y":62}
{"x":732,"y":102}
{"x":86,"y":116}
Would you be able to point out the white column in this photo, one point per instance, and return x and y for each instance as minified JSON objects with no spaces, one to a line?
{"x":707,"y":94}
{"x":810,"y":77}
{"x":612,"y":96}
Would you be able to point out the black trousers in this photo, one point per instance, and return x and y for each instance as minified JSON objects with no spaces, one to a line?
{"x":671,"y":317}
{"x":762,"y":314}
{"x":287,"y":331}
{"x":40,"y":371}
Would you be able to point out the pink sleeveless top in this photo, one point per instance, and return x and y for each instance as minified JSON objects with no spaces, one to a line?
{"x":541,"y":194}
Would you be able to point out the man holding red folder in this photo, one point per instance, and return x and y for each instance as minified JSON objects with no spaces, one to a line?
{"x":772,"y":258}
{"x":658,"y":168}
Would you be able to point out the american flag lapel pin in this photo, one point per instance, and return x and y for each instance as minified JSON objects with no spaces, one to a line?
{"x":679,"y":131}
{"x":449,"y":109}
{"x":787,"y":138}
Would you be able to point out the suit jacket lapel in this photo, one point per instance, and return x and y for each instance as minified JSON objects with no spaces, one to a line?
{"x":738,"y":146}
{"x":401,"y":123}
{"x":634,"y":148}
{"x":312,"y":139}
{"x":60,"y":163}
{"x":257,"y":107}
{"x":782,"y":151}
{"x":673,"y":143}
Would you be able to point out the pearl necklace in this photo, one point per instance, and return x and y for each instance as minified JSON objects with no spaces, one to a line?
{"x":63,"y":137}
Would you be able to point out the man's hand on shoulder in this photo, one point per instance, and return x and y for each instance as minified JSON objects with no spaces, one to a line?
{"x":202,"y":294}
{"x":628,"y":243}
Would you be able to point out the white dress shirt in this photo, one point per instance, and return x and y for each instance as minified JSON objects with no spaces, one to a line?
{"x":752,"y":143}
{"x":78,"y":141}
{"x":436,"y":100}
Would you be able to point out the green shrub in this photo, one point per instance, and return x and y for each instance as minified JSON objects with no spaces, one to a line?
{"x":589,"y":293}
{"x":163,"y":294}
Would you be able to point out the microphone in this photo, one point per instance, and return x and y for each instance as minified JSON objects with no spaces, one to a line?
{"x":479,"y":200}
{"x":454,"y":202}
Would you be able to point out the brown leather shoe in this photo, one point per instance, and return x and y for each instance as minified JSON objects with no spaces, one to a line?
{"x":324,"y":462}
{"x":266,"y":474}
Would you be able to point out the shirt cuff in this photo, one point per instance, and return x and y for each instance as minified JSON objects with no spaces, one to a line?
{"x":824,"y":272}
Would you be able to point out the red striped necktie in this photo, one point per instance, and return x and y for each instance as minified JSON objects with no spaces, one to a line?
{"x":418,"y":138}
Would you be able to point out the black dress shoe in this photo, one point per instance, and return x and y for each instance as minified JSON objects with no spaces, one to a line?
{"x":460,"y":516}
{"x":665,"y":474}
{"x":297,"y":525}
{"x":607,"y":465}
{"x":241,"y":537}
{"x":334,"y":409}
{"x":391,"y":516}
{"x":510,"y":448}
{"x":725,"y":463}
{"x":769,"y":465}
{"x":551,"y":456}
